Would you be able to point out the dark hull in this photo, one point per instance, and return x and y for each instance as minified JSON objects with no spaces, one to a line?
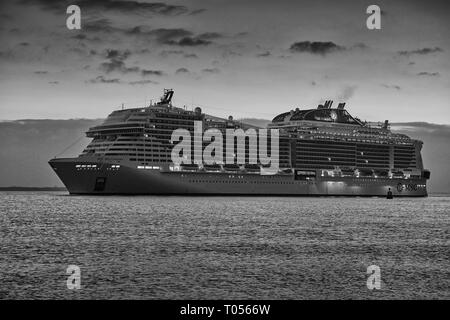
{"x":129,"y":180}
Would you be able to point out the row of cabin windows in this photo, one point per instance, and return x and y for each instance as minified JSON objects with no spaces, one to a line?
{"x":242,"y":181}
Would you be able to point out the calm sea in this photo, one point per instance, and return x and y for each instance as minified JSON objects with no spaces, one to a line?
{"x":151,"y":247}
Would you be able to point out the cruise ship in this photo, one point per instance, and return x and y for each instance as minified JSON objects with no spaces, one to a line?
{"x":323,"y":151}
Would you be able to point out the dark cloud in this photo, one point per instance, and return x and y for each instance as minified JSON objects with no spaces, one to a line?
{"x":116,"y":62}
{"x":189,"y":42}
{"x":113,"y":5}
{"x":182,"y":70}
{"x":360,"y":45}
{"x":241,"y":34}
{"x":391,"y":86}
{"x":101,"y":79}
{"x":428,"y":74}
{"x":168,"y":36}
{"x":136,"y":30}
{"x":210,"y":35}
{"x":263,"y":54}
{"x":166,"y":53}
{"x":80,"y":36}
{"x":83,"y":37}
{"x":142,"y":82}
{"x":5,"y":16}
{"x":98,"y":25}
{"x":152,"y":72}
{"x":422,"y":51}
{"x":211,"y":70}
{"x":315,"y":47}
{"x":198,"y":11}
{"x":176,"y":36}
{"x":226,"y":54}
{"x":117,"y":54}
{"x":118,"y":66}
{"x":162,"y":35}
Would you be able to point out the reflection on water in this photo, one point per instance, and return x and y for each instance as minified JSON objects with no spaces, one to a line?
{"x":222,"y":247}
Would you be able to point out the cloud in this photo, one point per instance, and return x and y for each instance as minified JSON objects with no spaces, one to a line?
{"x":227,"y":54}
{"x":422,"y":51}
{"x":189,"y":42}
{"x":41,"y":72}
{"x":152,"y":72}
{"x":117,"y":54}
{"x":346,"y":93}
{"x":53,"y":82}
{"x":142,"y":82}
{"x":198,"y":11}
{"x":101,"y":79}
{"x":211,"y":70}
{"x":166,"y":53}
{"x":167,"y":36}
{"x":315,"y":47}
{"x":162,"y":35}
{"x":116,"y":62}
{"x":98,"y":25}
{"x":114,"y":5}
{"x":182,"y":70}
{"x":80,"y":36}
{"x":428,"y":74}
{"x":390,"y":86}
{"x":210,"y":35}
{"x":241,"y":34}
{"x":117,"y":65}
{"x":264,"y":54}
{"x":360,"y":45}
{"x":175,"y":36}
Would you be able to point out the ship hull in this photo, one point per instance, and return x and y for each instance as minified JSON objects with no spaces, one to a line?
{"x":106,"y":179}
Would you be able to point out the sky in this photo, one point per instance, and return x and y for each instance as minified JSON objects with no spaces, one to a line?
{"x":252,"y":58}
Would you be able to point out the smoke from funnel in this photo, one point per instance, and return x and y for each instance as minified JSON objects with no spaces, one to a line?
{"x":347,"y":93}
